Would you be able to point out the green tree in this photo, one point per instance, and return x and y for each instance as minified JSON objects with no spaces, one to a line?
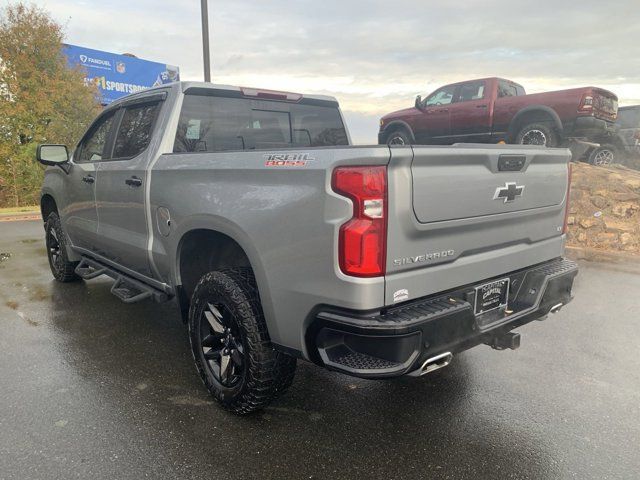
{"x":42,"y":99}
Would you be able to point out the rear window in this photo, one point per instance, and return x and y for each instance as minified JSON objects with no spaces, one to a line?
{"x":215,"y":124}
{"x":135,"y":130}
{"x":629,"y":117}
{"x":507,"y":89}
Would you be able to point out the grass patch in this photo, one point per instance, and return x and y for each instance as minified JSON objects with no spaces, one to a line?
{"x":33,"y":208}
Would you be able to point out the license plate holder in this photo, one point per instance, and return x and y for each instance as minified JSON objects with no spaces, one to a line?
{"x":491,"y":296}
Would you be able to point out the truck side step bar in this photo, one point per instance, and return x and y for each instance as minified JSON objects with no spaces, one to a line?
{"x":127,"y":289}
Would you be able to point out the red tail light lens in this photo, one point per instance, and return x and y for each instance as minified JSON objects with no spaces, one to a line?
{"x":565,"y":227}
{"x":363,"y":239}
{"x":586,"y":104}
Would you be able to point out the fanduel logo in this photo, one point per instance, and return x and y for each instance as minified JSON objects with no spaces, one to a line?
{"x":95,"y":61}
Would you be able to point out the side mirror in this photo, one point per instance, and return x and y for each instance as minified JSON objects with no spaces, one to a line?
{"x":52,"y":155}
{"x":418,"y":104}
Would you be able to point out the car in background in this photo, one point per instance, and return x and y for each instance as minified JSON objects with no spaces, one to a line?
{"x":624,"y":145}
{"x":492,"y":110}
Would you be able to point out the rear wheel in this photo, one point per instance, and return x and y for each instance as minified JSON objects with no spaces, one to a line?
{"x":56,"y":241}
{"x":604,"y":155}
{"x":231,"y":345}
{"x":541,"y":134}
{"x":399,"y":137}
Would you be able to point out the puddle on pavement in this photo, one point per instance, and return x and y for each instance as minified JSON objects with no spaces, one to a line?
{"x":39,"y":293}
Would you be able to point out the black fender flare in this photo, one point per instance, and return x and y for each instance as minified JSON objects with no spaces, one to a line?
{"x":395,"y":125}
{"x":517,"y":119}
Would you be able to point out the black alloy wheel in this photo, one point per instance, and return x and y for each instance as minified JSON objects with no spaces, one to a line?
{"x":221,"y":344}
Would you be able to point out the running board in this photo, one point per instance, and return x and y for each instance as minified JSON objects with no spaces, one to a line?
{"x":127,"y":289}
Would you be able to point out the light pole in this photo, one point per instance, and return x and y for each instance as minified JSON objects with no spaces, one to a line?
{"x":205,"y":40}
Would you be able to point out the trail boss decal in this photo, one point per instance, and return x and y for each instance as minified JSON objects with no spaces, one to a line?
{"x":287,"y":159}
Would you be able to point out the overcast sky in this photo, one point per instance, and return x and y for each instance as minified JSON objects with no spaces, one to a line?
{"x":374,"y":56}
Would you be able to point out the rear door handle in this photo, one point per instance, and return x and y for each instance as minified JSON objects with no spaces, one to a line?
{"x":88,"y":179}
{"x":133,"y":181}
{"x":481,"y":106}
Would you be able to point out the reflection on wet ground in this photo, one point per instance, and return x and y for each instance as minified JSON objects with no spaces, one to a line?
{"x":94,"y":387}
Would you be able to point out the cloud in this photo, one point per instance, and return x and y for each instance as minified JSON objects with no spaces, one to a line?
{"x":375,"y":56}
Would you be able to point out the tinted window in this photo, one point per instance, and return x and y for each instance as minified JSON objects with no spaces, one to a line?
{"x":444,"y":96}
{"x":506,"y":89}
{"x":270,"y":127}
{"x":213,"y":124}
{"x":629,"y":117}
{"x":93,"y":146}
{"x":135,"y":130}
{"x":471,"y":91}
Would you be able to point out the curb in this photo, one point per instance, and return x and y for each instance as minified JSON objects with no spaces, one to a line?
{"x":622,"y":260}
{"x":21,"y":216}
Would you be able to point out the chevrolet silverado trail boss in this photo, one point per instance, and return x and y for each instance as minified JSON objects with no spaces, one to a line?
{"x":491,"y":110}
{"x":280,"y":241}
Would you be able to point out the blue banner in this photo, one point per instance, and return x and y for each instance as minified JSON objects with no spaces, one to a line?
{"x":119,"y":75}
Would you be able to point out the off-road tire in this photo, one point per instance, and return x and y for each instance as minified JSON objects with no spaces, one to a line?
{"x":266,"y":373}
{"x":537,"y":130}
{"x":604,"y":155}
{"x":399,"y":137}
{"x":62,"y":269}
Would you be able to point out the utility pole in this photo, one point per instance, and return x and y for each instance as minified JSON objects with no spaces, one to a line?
{"x":205,"y":40}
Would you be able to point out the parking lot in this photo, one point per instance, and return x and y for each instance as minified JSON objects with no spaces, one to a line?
{"x":94,"y":387}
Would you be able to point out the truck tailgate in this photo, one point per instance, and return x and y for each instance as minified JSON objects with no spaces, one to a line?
{"x":463,"y":213}
{"x":462,"y":183}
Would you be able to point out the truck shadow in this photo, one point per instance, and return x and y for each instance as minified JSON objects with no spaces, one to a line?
{"x":137,"y":359}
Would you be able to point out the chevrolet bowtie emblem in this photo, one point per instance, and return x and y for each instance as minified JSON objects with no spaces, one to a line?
{"x":509,"y":192}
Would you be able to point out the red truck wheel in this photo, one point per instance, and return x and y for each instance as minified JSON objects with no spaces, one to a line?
{"x":537,"y":134}
{"x":399,"y":137}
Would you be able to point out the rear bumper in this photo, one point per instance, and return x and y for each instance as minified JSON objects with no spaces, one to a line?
{"x":591,"y":126}
{"x":398,"y":340}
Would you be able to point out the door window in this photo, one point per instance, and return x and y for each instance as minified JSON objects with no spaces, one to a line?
{"x":94,"y":144}
{"x":444,"y":96}
{"x":135,"y":130}
{"x":471,"y":91}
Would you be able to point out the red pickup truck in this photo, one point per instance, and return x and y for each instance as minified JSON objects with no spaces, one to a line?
{"x":491,"y":110}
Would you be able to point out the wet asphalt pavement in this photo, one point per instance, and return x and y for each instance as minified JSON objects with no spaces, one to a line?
{"x":91,"y":387}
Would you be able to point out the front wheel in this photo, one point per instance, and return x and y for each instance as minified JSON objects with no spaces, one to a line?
{"x":231,"y":345}
{"x":537,"y":134}
{"x":604,"y":155}
{"x":56,"y":241}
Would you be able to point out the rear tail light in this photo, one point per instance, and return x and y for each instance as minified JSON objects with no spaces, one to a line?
{"x":586,"y":104}
{"x":362,"y":243}
{"x":565,"y":226}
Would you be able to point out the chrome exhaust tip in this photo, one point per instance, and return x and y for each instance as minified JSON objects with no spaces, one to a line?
{"x":432,"y":364}
{"x":556,"y":308}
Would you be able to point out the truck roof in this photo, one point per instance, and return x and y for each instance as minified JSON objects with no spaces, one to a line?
{"x":183,"y":86}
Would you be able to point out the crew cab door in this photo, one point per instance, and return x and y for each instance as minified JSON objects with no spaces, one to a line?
{"x":79,"y":217}
{"x":433,"y":125}
{"x":471,"y":113}
{"x":120,"y":190}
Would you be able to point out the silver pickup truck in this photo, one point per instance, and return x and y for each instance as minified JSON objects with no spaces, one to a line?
{"x":278,"y":240}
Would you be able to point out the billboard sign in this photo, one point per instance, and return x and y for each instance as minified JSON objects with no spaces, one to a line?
{"x":119,"y":75}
